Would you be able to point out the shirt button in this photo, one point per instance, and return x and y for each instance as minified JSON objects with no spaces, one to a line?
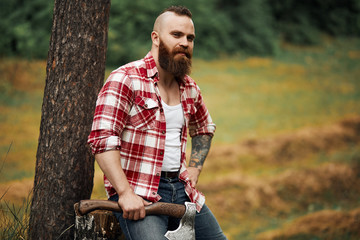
{"x":158,"y":174}
{"x":153,"y":193}
{"x":161,"y":152}
{"x":163,"y":132}
{"x":161,"y":110}
{"x":146,"y":105}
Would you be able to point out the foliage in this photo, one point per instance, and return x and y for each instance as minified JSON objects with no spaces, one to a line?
{"x":252,"y":26}
{"x":222,"y":27}
{"x":300,"y":22}
{"x":25,"y":27}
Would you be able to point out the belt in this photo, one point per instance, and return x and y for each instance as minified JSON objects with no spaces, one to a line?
{"x":170,"y":174}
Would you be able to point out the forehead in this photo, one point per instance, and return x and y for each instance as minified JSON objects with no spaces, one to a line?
{"x":173,"y":22}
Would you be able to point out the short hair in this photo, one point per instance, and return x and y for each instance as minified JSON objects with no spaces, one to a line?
{"x":179,"y":10}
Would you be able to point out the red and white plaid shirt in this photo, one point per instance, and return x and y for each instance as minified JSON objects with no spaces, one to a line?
{"x":129,"y":117}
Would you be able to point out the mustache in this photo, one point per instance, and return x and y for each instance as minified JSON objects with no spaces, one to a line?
{"x":184,"y":51}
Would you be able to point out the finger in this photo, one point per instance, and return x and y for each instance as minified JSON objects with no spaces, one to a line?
{"x":194,"y":182}
{"x":191,"y":182}
{"x":146,"y":203}
{"x":131,"y":215}
{"x":142,"y":213}
{"x":136,"y":215}
{"x":125,"y":215}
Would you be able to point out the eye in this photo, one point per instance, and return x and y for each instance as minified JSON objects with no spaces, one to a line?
{"x":176,"y":34}
{"x":191,"y":38}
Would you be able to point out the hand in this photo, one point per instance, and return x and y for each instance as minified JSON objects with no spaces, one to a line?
{"x":194,"y":173}
{"x":132,"y":205}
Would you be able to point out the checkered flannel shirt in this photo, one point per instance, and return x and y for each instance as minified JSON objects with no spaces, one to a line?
{"x":129,"y":117}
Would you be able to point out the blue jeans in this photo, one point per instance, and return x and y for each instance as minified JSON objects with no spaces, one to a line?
{"x":154,"y":227}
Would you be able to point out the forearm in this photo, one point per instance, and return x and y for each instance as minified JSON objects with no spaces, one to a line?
{"x":131,"y":204}
{"x":200,"y":146}
{"x":110,"y":164}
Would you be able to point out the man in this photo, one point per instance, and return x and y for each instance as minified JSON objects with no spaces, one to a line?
{"x":140,"y":128}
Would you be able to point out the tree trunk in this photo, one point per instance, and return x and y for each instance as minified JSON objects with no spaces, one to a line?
{"x":75,"y":74}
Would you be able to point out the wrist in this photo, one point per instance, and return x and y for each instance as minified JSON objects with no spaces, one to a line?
{"x":198,"y":167}
{"x":124,"y":191}
{"x":195,"y":168}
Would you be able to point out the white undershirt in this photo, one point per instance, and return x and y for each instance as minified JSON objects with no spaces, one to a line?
{"x":174,"y":117}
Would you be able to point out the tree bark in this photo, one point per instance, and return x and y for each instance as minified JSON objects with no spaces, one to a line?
{"x":75,"y":74}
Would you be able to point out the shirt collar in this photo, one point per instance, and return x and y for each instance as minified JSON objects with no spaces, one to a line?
{"x":151,"y":68}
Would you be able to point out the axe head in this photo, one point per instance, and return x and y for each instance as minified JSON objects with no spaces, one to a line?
{"x":186,"y":230}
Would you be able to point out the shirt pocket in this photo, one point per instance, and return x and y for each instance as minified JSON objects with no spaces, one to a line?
{"x":143,"y":113}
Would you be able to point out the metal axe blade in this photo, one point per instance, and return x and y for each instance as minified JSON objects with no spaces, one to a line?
{"x":186,"y":230}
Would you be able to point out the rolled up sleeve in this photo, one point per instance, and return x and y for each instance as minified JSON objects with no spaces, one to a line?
{"x":112,"y":109}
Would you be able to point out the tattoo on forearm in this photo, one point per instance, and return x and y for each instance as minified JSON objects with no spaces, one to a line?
{"x":200,"y":146}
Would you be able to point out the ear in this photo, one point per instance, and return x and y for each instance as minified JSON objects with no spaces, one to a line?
{"x":155,"y":38}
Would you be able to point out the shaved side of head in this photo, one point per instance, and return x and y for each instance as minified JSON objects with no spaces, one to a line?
{"x":178,"y":10}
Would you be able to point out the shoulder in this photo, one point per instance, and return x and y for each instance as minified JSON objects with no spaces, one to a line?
{"x":126,"y":74}
{"x":135,"y":68}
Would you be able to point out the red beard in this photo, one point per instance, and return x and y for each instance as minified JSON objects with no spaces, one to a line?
{"x":178,"y":65}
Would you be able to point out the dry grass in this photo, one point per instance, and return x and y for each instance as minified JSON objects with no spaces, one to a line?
{"x":291,"y":190}
{"x":14,"y":213}
{"x":247,"y":198}
{"x":16,"y":191}
{"x":326,"y":225}
{"x":296,"y":145}
{"x":277,"y":177}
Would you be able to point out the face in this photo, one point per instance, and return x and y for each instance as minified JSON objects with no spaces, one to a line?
{"x":176,"y":42}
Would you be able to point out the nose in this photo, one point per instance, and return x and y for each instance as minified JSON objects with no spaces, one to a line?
{"x":184,"y":42}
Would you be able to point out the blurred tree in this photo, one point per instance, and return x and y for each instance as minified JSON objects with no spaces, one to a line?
{"x":301,"y":22}
{"x":212,"y":28}
{"x":252,"y":26}
{"x":295,"y":23}
{"x":338,"y":17}
{"x":25,"y":27}
{"x":130,"y":26}
{"x":75,"y":74}
{"x":222,"y":26}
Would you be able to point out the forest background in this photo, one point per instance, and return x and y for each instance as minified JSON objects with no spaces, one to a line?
{"x":281,"y":79}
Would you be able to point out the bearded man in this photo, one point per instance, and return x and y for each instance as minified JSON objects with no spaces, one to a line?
{"x":139,"y":133}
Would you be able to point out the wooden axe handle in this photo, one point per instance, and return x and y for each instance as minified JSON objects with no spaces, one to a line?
{"x":159,"y":208}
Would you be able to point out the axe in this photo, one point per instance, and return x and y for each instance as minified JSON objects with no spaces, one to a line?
{"x":186,"y":212}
